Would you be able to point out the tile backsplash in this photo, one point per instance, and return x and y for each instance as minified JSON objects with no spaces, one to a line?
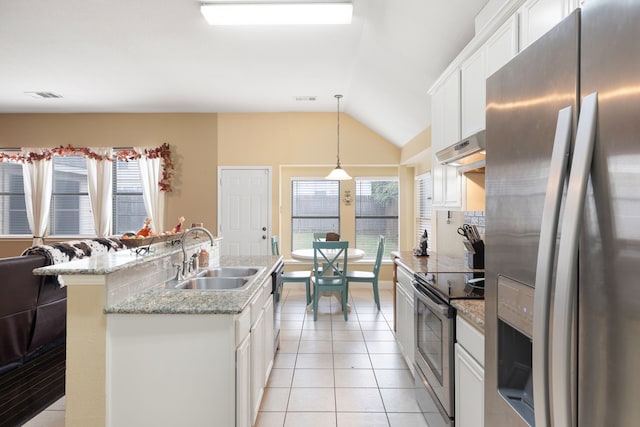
{"x":475,"y":218}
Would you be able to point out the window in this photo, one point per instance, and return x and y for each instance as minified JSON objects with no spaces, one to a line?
{"x":423,"y":206}
{"x":71,"y":213}
{"x":129,"y":212}
{"x":13,"y":218}
{"x":315,"y":207}
{"x":376,"y":214}
{"x":70,"y":205}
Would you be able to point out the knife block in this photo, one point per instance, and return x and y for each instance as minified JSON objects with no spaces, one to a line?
{"x":475,"y":259}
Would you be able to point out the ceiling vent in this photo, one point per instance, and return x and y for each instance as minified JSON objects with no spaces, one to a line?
{"x":44,"y":95}
{"x":306,"y":98}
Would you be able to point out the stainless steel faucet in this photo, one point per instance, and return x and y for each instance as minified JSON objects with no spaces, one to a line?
{"x":194,"y":262}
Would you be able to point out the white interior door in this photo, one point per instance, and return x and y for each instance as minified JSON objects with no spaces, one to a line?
{"x":244,"y":211}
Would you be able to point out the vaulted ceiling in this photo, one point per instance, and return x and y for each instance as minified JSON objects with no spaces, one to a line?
{"x":162,"y":56}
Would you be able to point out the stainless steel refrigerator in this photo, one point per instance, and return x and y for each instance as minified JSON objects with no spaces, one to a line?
{"x":562,"y":260}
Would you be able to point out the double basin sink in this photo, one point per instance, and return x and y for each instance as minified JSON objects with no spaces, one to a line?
{"x":220,"y":279}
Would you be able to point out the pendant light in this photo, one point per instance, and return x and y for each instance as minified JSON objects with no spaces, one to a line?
{"x":338,"y":173}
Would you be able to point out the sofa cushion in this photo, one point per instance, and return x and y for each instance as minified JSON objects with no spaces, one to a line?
{"x":14,"y":336}
{"x":19,"y":290}
{"x":50,"y":325}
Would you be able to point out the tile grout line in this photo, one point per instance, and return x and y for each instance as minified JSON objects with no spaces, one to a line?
{"x":366,"y":343}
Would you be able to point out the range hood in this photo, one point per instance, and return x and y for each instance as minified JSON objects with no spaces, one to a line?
{"x":467,"y":155}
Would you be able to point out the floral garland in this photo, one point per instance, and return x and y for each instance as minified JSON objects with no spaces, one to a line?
{"x":163,"y":152}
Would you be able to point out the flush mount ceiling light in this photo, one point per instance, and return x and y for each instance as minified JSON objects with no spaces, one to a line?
{"x":43,"y":95}
{"x":277,"y":13}
{"x":338,"y":173}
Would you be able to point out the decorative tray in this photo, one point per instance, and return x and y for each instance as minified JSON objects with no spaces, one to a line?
{"x":136,"y":242}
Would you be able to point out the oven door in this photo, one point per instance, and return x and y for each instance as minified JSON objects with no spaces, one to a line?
{"x":434,"y":331}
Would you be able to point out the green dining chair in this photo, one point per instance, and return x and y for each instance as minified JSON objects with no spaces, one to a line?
{"x":330,"y":266}
{"x":292,"y":276}
{"x":370,"y":276}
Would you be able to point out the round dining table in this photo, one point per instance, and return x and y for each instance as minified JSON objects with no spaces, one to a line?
{"x":353,"y":254}
{"x":306,"y":254}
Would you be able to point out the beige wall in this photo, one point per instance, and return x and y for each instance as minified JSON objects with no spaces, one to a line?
{"x":305,"y":143}
{"x":416,"y":160}
{"x":202,"y":142}
{"x":192,"y":138}
{"x":417,"y":152}
{"x":299,"y":138}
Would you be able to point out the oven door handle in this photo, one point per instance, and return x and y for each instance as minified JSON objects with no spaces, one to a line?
{"x":432,"y":303}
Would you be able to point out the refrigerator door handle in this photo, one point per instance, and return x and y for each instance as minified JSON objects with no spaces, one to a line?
{"x":565,"y":290}
{"x":544,"y":268}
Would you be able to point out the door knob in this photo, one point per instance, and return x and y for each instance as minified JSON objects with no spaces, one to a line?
{"x":264,"y":228}
{"x":264,"y":237}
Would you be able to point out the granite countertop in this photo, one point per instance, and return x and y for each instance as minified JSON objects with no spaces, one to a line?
{"x":162,"y":300}
{"x":191,"y":301}
{"x":434,"y":263}
{"x":471,"y":309}
{"x":111,"y":262}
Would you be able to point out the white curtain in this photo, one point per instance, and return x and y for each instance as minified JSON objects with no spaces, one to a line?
{"x":99,"y":174}
{"x":38,"y":183}
{"x":151,"y":172}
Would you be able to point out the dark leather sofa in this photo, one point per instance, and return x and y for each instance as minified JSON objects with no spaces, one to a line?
{"x":33,"y":311}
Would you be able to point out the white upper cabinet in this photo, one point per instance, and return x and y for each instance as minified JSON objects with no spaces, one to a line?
{"x":474,"y":78}
{"x":451,"y":109}
{"x":445,"y":127}
{"x":539,"y":16}
{"x":458,"y":99}
{"x":493,"y":54}
{"x":502,"y":45}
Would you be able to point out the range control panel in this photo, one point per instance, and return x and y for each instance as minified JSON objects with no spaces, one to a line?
{"x":515,"y":304}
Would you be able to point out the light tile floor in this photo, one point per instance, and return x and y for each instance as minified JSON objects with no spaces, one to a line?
{"x":332,"y":373}
{"x":329,"y":373}
{"x":53,"y":416}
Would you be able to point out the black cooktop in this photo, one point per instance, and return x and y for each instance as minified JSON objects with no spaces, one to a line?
{"x":449,"y":287}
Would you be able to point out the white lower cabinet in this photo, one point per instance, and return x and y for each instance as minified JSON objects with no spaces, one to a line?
{"x":257,"y":364}
{"x":243,"y":383}
{"x":189,"y":369}
{"x":268,"y":353}
{"x":469,"y":375}
{"x":167,"y":370}
{"x":261,"y":344}
{"x":405,"y":327}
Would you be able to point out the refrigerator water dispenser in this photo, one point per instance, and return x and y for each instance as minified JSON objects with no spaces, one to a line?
{"x":515,"y":349}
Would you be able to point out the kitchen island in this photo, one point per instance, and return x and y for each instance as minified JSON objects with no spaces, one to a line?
{"x":139,"y":353}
